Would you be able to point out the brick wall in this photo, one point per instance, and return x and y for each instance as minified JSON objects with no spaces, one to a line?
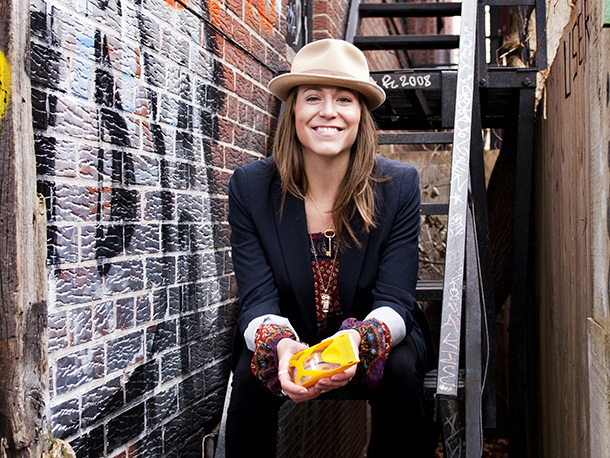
{"x":142,"y":109}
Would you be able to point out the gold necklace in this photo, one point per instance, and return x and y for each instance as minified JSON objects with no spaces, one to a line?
{"x":329,"y":234}
{"x":324,"y":295}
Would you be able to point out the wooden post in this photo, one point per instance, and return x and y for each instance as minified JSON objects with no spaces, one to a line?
{"x":23,"y":282}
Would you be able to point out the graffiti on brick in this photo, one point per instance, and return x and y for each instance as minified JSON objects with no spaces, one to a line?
{"x":177,"y":3}
{"x":126,"y":117}
{"x":263,"y":11}
{"x":294,"y":23}
{"x":117,"y":201}
{"x":5,"y":84}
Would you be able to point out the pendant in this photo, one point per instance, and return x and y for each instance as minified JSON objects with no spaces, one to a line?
{"x":329,"y":234}
{"x":325,"y":302}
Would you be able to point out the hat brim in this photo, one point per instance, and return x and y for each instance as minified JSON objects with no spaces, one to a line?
{"x":281,"y":85}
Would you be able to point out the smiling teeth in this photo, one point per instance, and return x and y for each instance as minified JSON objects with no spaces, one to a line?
{"x":328,"y":129}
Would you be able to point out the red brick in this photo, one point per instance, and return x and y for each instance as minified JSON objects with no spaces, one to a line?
{"x":217,"y":154}
{"x":237,"y":6}
{"x":258,"y":48}
{"x":249,"y":157}
{"x":243,"y":87}
{"x":235,"y":57}
{"x":233,"y":158}
{"x":241,"y":34}
{"x":252,"y":68}
{"x":229,"y":78}
{"x":251,"y":15}
{"x":241,"y":113}
{"x":260,"y":97}
{"x":225,"y":130}
{"x":222,"y":186}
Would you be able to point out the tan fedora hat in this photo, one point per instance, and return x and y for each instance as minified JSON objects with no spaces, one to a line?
{"x":332,"y":63}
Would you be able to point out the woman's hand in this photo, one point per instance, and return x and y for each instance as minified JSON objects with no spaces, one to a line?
{"x":287,"y":348}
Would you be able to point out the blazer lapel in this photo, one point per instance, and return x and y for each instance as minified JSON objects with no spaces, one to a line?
{"x":293,"y":237}
{"x":350,"y":267}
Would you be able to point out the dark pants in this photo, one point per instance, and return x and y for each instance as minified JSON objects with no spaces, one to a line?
{"x":398,"y":420}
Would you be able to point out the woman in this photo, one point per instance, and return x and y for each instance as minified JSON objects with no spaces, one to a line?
{"x":325,"y":240}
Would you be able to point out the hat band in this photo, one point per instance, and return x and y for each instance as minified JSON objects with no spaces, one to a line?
{"x":327,"y":72}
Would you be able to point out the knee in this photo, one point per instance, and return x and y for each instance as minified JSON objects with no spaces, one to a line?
{"x":404,"y":369}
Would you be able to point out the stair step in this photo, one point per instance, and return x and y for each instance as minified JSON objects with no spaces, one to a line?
{"x":415,"y":138}
{"x":410,"y":9}
{"x":429,"y":290}
{"x":397,"y":42}
{"x":434,"y":209}
{"x":430,"y":383}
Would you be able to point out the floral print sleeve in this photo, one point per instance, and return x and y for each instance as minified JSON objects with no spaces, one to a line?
{"x":375,"y":344}
{"x":264,"y":362}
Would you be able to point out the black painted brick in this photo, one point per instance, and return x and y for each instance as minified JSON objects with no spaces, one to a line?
{"x":160,"y":271}
{"x":143,"y":313}
{"x":190,"y":208}
{"x":79,"y":368}
{"x":81,"y":330}
{"x":159,"y":205}
{"x":124,"y":351}
{"x":161,"y":407}
{"x":58,"y":330}
{"x":101,"y":402}
{"x":45,"y":64}
{"x":171,"y":365}
{"x":142,"y":380}
{"x":160,"y":337}
{"x":104,"y":322}
{"x":191,"y":327}
{"x":89,"y":445}
{"x":175,"y":237}
{"x":144,"y":239}
{"x":150,"y":446}
{"x":64,"y":419}
{"x":44,"y":148}
{"x":175,"y":300}
{"x":125,"y":313}
{"x":125,"y":427}
{"x":159,"y":303}
{"x":125,"y":276}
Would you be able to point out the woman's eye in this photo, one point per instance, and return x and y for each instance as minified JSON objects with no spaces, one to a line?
{"x":312,"y":98}
{"x":345,"y":99}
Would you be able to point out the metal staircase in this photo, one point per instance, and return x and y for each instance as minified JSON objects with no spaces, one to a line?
{"x":449,"y":104}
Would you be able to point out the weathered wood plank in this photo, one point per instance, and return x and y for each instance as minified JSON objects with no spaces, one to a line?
{"x":564,"y":246}
{"x":23,"y":361}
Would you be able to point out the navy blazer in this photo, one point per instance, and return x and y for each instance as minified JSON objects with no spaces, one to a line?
{"x":271,"y":252}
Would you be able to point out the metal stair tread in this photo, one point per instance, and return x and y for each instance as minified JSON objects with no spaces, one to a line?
{"x":415,"y":138}
{"x":429,"y":290}
{"x":394,"y":42}
{"x":445,"y":9}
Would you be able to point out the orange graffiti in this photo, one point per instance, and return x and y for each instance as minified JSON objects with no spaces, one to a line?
{"x":214,"y":10}
{"x":177,"y":3}
{"x":265,"y":10}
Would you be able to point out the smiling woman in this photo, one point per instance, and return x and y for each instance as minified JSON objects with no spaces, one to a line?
{"x":316,"y":257}
{"x":327,"y":120}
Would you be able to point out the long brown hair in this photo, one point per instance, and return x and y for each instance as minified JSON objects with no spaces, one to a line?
{"x":356,"y":192}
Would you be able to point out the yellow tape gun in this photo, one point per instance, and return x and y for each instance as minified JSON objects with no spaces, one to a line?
{"x":329,"y":357}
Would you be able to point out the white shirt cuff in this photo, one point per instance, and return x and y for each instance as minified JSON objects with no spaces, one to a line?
{"x":250,"y":332}
{"x":394,"y":322}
